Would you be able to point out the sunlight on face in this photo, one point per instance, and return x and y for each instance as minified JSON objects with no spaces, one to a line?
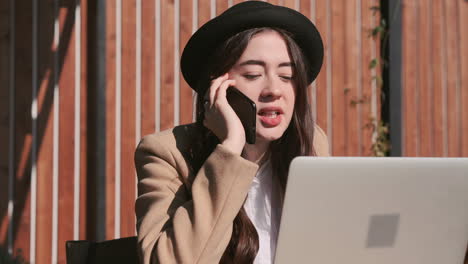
{"x":264,"y":73}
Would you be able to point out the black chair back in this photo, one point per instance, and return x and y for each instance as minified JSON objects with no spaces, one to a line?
{"x":123,"y":250}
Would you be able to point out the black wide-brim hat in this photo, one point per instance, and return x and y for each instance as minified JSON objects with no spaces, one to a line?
{"x":247,"y":15}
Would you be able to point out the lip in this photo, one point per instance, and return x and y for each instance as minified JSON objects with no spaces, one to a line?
{"x":270,"y":122}
{"x":271,"y":109}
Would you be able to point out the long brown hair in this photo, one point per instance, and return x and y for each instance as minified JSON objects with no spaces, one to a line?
{"x":296,"y":140}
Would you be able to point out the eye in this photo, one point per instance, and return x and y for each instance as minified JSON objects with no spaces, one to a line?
{"x":286,"y":77}
{"x":251,"y":76}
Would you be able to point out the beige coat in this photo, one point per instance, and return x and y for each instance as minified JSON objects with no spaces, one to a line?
{"x":183,"y":217}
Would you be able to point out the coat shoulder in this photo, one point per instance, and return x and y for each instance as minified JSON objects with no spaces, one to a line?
{"x":171,"y":145}
{"x":171,"y":139}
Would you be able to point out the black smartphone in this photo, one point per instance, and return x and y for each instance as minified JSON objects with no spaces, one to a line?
{"x":246,"y":110}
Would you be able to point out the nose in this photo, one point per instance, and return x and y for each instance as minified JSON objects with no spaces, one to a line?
{"x":271,"y":89}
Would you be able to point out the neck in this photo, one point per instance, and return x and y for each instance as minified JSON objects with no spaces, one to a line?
{"x":255,"y":152}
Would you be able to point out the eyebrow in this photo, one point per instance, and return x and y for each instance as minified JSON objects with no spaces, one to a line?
{"x":262,"y":63}
{"x":286,"y":64}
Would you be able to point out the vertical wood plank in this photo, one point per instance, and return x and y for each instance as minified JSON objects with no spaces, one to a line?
{"x":289,"y":3}
{"x":185,"y":33}
{"x":436,"y":69}
{"x":444,"y":78}
{"x":66,"y":83}
{"x":148,"y":67}
{"x":167,"y":64}
{"x":23,"y":128}
{"x":305,"y":8}
{"x":45,"y":95}
{"x":462,"y":22}
{"x":351,"y":62}
{"x":377,"y":103}
{"x":274,"y":2}
{"x":367,"y":41}
{"x":239,"y":1}
{"x":127,"y":221}
{"x":87,"y":192}
{"x":204,"y":11}
{"x":425,"y":84}
{"x":338,"y":86}
{"x":221,"y":6}
{"x":110,"y":116}
{"x":5,"y":38}
{"x":453,"y":79}
{"x":410,"y":127}
{"x":321,"y":81}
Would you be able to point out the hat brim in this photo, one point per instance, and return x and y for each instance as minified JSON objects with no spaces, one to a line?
{"x":247,"y":15}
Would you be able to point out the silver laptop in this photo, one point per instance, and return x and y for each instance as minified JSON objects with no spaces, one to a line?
{"x":375,"y":210}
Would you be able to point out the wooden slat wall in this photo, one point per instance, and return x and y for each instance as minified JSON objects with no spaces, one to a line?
{"x":128,"y":117}
{"x":66,"y":128}
{"x":323,"y":81}
{"x":111,"y":84}
{"x":145,"y":92}
{"x":167,"y":64}
{"x":435,"y":78}
{"x":345,"y":28}
{"x":43,"y":127}
{"x":46,"y":76}
{"x":462,"y":21}
{"x":23,"y":127}
{"x":435,"y":63}
{"x":82,"y":203}
{"x":5,"y":120}
{"x":338,"y":60}
{"x":366,"y":77}
{"x":187,"y":26}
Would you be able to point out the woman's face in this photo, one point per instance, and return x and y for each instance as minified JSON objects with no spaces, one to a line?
{"x":264,"y":73}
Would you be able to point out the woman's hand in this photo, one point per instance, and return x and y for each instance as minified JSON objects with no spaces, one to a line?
{"x":220,"y":118}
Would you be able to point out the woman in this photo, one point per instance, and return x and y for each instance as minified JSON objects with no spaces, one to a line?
{"x":205,"y":196}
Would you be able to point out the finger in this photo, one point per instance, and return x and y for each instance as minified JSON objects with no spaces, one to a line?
{"x":214,"y":87}
{"x":221,"y":92}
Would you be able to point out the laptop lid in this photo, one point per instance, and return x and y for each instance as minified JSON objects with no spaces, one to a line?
{"x":375,"y":210}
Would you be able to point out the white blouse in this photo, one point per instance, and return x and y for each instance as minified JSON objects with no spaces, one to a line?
{"x":263,"y":208}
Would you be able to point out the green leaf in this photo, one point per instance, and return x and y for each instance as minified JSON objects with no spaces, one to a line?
{"x":373,"y":63}
{"x":377,"y":30}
